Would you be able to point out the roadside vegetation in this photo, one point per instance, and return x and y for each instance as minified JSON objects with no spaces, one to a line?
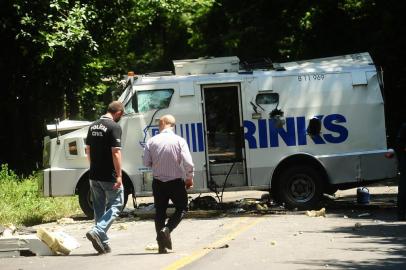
{"x":67,"y":59}
{"x":20,"y":203}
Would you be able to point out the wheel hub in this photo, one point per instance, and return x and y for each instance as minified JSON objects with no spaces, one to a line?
{"x":302,"y":188}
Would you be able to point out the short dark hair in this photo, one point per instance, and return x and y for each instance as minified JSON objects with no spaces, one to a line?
{"x":115,"y":106}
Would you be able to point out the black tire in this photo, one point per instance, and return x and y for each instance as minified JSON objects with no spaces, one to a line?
{"x":330,"y":190}
{"x":85,"y":197}
{"x":299,"y":187}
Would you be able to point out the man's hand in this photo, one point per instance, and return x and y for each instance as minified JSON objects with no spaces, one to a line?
{"x":118,"y":183}
{"x":189,"y":183}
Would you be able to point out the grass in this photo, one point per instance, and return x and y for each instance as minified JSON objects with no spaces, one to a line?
{"x":20,"y":203}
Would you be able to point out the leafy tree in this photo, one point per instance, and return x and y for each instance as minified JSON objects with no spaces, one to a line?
{"x":64,"y":58}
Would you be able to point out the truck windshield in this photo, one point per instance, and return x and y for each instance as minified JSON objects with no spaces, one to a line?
{"x":144,"y":101}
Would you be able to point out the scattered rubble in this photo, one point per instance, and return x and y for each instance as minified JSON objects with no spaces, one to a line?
{"x":314,"y":213}
{"x":65,"y":221}
{"x":357,"y":225}
{"x":122,"y":227}
{"x":204,"y":203}
{"x":237,"y":211}
{"x":23,"y":245}
{"x":218,"y":247}
{"x":43,"y":243}
{"x":207,"y":207}
{"x":8,"y":230}
{"x":59,"y":242}
{"x":54,"y":241}
{"x":151,"y":247}
{"x":364,"y":215}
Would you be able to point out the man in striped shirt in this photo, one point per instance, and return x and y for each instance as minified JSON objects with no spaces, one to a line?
{"x":169,"y":157}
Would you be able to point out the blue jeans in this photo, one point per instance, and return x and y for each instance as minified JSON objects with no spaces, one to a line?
{"x":107,"y":204}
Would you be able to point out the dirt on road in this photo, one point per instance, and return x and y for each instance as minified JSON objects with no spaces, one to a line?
{"x":350,"y":236}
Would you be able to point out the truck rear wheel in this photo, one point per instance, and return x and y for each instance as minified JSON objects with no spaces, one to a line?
{"x":299,"y":187}
{"x":85,"y":198}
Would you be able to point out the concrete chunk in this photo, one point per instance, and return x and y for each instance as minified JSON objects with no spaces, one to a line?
{"x":12,"y":246}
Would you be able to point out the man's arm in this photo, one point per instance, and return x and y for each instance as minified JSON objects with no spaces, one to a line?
{"x":116,"y":152}
{"x":88,"y":152}
{"x":187,"y":164}
{"x":88,"y":142}
{"x":147,"y":160}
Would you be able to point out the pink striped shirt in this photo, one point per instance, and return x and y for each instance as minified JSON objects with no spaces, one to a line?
{"x":169,"y":157}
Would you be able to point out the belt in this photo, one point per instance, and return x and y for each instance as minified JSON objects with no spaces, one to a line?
{"x":167,"y":180}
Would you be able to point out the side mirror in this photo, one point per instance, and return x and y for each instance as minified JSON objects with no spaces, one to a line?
{"x":314,"y":127}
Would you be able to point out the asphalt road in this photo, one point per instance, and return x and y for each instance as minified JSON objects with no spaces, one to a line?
{"x":349,"y":237}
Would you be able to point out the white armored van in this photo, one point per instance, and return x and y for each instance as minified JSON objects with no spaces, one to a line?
{"x":299,"y":129}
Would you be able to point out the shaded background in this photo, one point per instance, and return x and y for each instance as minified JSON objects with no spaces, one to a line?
{"x":63,"y":59}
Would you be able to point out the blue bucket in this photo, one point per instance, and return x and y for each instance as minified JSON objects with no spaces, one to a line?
{"x":363,"y":195}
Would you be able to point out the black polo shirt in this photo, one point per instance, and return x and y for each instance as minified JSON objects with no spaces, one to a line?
{"x":103,"y":134}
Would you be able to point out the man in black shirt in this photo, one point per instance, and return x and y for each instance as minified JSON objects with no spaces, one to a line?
{"x":103,"y":149}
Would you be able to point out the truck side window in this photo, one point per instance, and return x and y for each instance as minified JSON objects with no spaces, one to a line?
{"x":267,"y":98}
{"x":150,"y":100}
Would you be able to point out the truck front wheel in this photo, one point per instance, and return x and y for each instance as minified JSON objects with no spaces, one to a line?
{"x":299,"y":187}
{"x":85,"y":198}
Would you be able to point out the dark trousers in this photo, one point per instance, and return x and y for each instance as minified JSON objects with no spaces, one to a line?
{"x":163,"y":191}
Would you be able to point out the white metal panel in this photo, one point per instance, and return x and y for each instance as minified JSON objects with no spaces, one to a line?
{"x":58,"y":184}
{"x":359,"y":166}
{"x":264,"y":82}
{"x":206,"y":66}
{"x":332,"y":64}
{"x":186,"y":88}
{"x":67,"y":125}
{"x":377,"y":166}
{"x":359,"y":77}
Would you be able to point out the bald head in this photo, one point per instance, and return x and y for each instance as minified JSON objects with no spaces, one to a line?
{"x":115,"y":106}
{"x":166,"y":121}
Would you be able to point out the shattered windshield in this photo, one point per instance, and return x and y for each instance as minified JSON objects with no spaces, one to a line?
{"x":145,"y":101}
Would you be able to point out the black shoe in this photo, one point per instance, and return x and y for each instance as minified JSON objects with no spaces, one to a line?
{"x":107,"y":248}
{"x":161,"y":245}
{"x":165,"y":236}
{"x":96,"y":242}
{"x":162,"y":250}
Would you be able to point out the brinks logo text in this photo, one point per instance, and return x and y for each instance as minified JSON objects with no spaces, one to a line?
{"x":294,"y":132}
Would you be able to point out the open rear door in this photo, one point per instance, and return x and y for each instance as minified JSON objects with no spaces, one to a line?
{"x":224,"y":136}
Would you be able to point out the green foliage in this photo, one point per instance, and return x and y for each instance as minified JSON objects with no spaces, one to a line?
{"x":65,"y":58}
{"x":21,"y":204}
{"x":68,"y":27}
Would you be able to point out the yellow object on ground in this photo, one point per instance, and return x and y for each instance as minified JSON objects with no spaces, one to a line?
{"x":314,"y":213}
{"x":57,"y":242}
